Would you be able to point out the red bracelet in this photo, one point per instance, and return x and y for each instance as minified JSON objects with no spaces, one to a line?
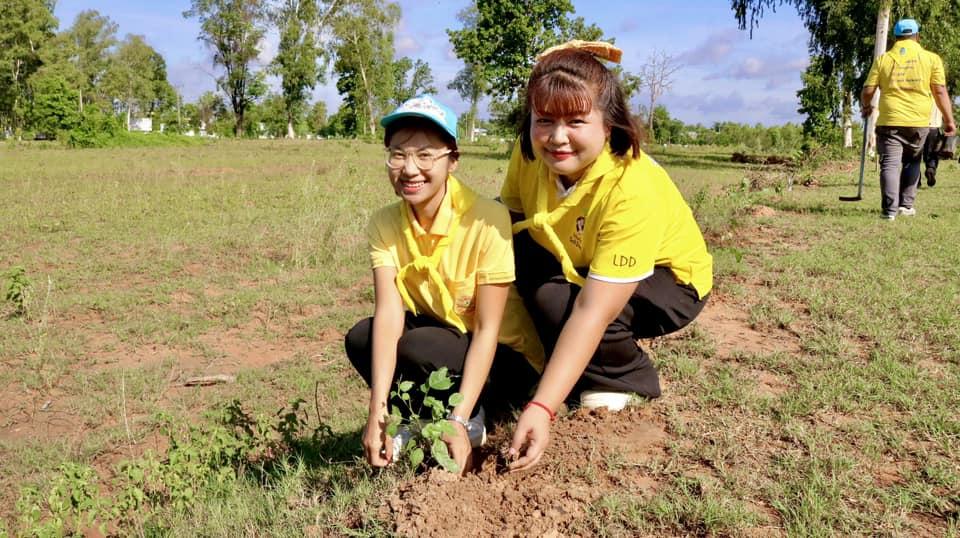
{"x":541,"y":406}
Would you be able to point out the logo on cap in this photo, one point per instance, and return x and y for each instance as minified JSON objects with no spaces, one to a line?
{"x":423,"y":105}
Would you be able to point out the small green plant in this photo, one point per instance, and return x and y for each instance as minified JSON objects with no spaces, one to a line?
{"x":427,"y":432}
{"x":201,"y":462}
{"x":74,"y":504}
{"x":16,"y":293}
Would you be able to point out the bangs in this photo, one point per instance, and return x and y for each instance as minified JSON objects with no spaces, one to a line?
{"x":558,"y":94}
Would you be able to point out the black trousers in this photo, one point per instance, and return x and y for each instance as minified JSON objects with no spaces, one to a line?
{"x":428,"y":344}
{"x":659,"y":306}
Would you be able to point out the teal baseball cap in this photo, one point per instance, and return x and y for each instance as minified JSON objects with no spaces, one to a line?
{"x":906,"y":27}
{"x":425,"y":106}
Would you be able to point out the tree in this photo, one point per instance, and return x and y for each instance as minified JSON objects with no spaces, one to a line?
{"x":851,"y":34}
{"x":300,"y":24}
{"x":24,"y":27}
{"x":317,"y":118}
{"x":505,"y":38}
{"x":53,"y":106}
{"x":89,"y":41}
{"x":363,"y":42}
{"x":657,"y":75}
{"x":233,"y":29}
{"x":131,"y":78}
{"x":471,"y":82}
{"x":210,"y":107}
{"x":411,"y":79}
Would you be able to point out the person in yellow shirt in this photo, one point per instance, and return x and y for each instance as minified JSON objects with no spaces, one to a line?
{"x":443,"y":269}
{"x":910,"y":80}
{"x":607,"y":250}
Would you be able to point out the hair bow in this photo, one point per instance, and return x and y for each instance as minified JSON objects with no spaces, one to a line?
{"x":600,"y":49}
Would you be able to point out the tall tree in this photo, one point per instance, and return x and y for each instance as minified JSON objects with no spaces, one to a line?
{"x":131,"y":76}
{"x":657,"y":75}
{"x":89,"y":41}
{"x":301,"y":24}
{"x":472,"y":81}
{"x":24,"y":27}
{"x":849,"y":33}
{"x":363,"y":43}
{"x":233,"y":29}
{"x":505,"y":38}
{"x":210,"y":107}
{"x":411,"y":78}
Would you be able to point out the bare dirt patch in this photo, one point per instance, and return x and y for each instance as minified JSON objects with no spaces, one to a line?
{"x":592,"y":454}
{"x":729,"y":325}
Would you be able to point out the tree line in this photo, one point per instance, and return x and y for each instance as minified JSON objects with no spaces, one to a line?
{"x":86,"y":77}
{"x":841,"y":44}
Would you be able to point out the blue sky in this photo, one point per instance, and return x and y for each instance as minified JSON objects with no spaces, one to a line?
{"x":725,"y":74}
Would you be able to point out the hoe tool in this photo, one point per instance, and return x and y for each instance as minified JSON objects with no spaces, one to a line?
{"x":863,"y":158}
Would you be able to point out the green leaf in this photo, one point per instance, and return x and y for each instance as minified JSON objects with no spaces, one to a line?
{"x":405,"y":386}
{"x":416,"y":457}
{"x":439,"y":380}
{"x":440,"y":453}
{"x":446,"y":428}
{"x":455,"y":399}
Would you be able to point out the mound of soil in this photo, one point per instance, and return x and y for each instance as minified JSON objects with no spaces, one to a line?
{"x":591,"y":454}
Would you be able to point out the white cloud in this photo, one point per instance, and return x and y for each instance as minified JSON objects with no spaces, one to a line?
{"x":716,"y":48}
{"x":407,"y":45}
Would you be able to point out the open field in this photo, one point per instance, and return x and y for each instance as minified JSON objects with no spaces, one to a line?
{"x":816,"y":395}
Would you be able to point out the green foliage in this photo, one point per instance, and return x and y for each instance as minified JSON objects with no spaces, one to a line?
{"x":363,"y":43}
{"x":298,"y":52}
{"x":501,"y":39}
{"x":72,"y":505}
{"x":233,"y":29}
{"x":16,"y":292}
{"x":54,"y":106}
{"x":24,"y":26}
{"x":95,"y":130}
{"x":427,"y":431}
{"x":201,"y":463}
{"x":411,"y":79}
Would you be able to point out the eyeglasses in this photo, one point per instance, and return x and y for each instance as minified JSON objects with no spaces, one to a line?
{"x":422,"y":159}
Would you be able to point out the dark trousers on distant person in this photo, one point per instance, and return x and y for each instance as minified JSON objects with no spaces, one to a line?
{"x":901,"y":152}
{"x":428,"y":344}
{"x":659,"y":306}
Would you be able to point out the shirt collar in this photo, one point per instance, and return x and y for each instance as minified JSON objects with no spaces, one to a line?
{"x":604,"y":164}
{"x":457,"y":197}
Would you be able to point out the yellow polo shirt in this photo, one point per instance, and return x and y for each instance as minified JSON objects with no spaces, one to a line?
{"x":480,"y":252}
{"x":633,"y":220}
{"x":904,"y":74}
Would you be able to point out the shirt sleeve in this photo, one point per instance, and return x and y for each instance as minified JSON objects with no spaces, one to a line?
{"x":873,"y":77}
{"x":495,"y":264}
{"x":937,"y":75}
{"x":382,"y":241}
{"x":510,"y":192}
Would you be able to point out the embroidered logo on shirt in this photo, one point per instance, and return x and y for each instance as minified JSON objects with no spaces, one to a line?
{"x":577,"y":238}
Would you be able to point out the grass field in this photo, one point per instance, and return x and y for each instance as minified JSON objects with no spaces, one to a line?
{"x":817,"y":396}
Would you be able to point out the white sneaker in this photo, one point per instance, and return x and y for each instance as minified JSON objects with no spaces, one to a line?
{"x":885,"y":216}
{"x":612,"y":400}
{"x":907,"y":211}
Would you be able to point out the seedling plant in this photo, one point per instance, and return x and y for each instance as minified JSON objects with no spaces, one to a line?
{"x":428,"y":423}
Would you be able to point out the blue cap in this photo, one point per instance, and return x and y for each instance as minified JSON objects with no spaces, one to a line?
{"x":906,"y":27}
{"x":425,"y":106}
